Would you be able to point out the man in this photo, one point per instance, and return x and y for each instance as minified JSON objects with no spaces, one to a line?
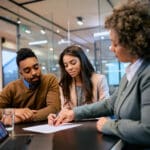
{"x":33,"y":96}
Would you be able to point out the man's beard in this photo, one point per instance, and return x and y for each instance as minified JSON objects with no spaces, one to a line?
{"x":35,"y":84}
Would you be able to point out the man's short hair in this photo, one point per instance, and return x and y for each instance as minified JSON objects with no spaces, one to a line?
{"x":24,"y":53}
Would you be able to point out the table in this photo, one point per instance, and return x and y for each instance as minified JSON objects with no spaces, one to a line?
{"x":84,"y":137}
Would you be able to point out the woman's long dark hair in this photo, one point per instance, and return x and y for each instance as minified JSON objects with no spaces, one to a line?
{"x":86,"y":73}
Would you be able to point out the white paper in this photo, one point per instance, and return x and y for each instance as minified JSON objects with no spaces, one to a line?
{"x":51,"y":129}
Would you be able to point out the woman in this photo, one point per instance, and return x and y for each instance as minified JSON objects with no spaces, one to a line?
{"x":79,"y":84}
{"x":129,"y":27}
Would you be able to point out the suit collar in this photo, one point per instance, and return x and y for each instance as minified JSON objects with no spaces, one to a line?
{"x":126,"y":88}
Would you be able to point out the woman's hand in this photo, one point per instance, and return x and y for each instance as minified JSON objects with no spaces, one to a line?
{"x":64,"y":116}
{"x":101,"y":122}
{"x":51,"y":119}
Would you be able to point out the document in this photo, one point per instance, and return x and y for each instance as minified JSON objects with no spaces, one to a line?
{"x":51,"y":129}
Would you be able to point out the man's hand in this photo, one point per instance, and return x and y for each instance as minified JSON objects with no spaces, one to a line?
{"x":24,"y":114}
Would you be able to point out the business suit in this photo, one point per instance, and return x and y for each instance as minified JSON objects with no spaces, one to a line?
{"x":131,"y":106}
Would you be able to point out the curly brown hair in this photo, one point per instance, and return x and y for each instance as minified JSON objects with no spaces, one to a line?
{"x":132,"y":24}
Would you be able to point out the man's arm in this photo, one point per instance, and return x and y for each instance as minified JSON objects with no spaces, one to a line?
{"x":52,"y":100}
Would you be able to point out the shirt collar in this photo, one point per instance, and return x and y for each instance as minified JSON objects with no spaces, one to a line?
{"x":132,"y":68}
{"x":26,"y":83}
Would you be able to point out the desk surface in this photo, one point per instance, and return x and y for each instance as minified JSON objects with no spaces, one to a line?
{"x":84,"y":137}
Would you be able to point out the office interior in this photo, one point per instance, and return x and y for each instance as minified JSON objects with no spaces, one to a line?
{"x":49,"y":26}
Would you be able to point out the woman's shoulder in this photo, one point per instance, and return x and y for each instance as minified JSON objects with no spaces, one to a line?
{"x":98,"y":76}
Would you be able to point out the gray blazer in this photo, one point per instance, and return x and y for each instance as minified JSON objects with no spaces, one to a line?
{"x":131,"y":106}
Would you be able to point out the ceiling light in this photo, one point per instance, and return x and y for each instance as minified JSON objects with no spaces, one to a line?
{"x":87,"y":50}
{"x":18,"y":21}
{"x":38,"y":42}
{"x":80,"y":20}
{"x":57,"y":31}
{"x":51,"y":49}
{"x":62,"y":41}
{"x":102,"y":37}
{"x":101,"y":34}
{"x":43,"y":31}
{"x":28,"y":31}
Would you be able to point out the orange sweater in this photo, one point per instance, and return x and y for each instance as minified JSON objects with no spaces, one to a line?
{"x":45,"y":98}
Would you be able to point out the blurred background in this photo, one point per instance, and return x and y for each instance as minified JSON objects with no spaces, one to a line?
{"x":49,"y":26}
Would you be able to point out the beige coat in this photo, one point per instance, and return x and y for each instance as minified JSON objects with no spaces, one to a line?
{"x":100,"y":91}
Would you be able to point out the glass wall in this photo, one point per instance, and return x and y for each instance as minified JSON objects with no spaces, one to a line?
{"x":106,"y":63}
{"x":10,"y":71}
{"x":8,"y":51}
{"x":48,"y":39}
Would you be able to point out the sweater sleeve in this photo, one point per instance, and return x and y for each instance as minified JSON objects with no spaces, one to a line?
{"x":6,"y":95}
{"x":52,"y":100}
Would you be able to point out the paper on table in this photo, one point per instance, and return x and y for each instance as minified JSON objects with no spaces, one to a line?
{"x":51,"y":129}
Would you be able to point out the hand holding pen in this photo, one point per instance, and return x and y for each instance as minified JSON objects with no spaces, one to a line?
{"x":63,"y":116}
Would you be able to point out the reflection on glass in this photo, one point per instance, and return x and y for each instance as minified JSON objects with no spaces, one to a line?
{"x":10,"y":71}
